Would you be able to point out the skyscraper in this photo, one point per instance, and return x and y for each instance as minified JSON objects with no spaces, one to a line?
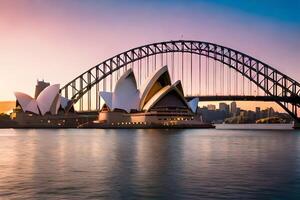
{"x":211,"y":107}
{"x":40,"y":86}
{"x":233,"y":108}
{"x":224,"y":107}
{"x":257,"y":112}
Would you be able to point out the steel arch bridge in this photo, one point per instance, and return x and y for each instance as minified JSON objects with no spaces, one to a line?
{"x":209,"y":71}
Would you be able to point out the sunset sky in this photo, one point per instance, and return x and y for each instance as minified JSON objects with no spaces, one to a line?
{"x":57,"y":40}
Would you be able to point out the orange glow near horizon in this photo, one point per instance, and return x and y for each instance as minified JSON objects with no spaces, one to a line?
{"x":6,"y":106}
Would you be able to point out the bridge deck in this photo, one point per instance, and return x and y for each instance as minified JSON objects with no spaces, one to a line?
{"x":244,"y":98}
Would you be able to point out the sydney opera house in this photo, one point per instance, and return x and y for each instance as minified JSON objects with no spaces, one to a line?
{"x":46,"y":109}
{"x":158,"y":103}
{"x":46,"y":101}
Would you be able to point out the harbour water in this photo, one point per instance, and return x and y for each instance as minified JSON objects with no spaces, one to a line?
{"x":150,"y":164}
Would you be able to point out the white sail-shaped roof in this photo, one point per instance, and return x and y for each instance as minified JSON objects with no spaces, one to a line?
{"x":26,"y":102}
{"x":194,"y":104}
{"x":55,"y":105}
{"x":64,"y":102}
{"x":156,"y":97}
{"x":33,"y":107}
{"x":107,"y":97}
{"x":157,"y":92}
{"x":126,"y":94}
{"x":46,"y":98}
{"x":23,"y":99}
{"x":160,"y":79}
{"x":174,"y":99}
{"x":178,"y":85}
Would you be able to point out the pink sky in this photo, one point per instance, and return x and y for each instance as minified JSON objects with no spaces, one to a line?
{"x":58,"y":40}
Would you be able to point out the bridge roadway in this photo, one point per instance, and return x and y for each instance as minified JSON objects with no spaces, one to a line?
{"x":246,"y":98}
{"x":227,"y":98}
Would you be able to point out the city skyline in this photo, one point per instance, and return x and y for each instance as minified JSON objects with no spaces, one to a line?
{"x":56,"y":41}
{"x":233,"y":114}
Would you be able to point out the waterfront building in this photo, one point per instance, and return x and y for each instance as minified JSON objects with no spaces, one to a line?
{"x":47,"y":109}
{"x":212,"y":116}
{"x":48,"y":100}
{"x":271,"y":112}
{"x":224,"y":107}
{"x":211,"y":107}
{"x":157,"y":102}
{"x":233,"y":108}
{"x":238,"y":111}
{"x":257,"y":112}
{"x":40,"y":86}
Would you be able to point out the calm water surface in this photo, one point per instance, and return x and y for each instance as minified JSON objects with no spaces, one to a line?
{"x":149,"y":164}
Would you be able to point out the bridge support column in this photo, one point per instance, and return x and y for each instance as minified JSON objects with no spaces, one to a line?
{"x":296,"y":125}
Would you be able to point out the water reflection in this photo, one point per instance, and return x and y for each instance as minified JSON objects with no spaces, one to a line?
{"x":160,"y":164}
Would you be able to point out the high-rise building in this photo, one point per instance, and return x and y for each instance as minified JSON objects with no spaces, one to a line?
{"x":211,"y":107}
{"x":257,"y":112}
{"x":233,"y":108}
{"x":224,"y":107}
{"x":238,"y":110}
{"x":271,"y":112}
{"x":40,"y":86}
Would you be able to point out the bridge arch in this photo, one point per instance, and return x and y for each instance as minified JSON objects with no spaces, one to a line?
{"x":282,"y":88}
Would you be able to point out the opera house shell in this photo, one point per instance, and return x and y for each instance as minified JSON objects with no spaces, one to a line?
{"x":157,"y":102}
{"x":48,"y":109}
{"x":48,"y":101}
